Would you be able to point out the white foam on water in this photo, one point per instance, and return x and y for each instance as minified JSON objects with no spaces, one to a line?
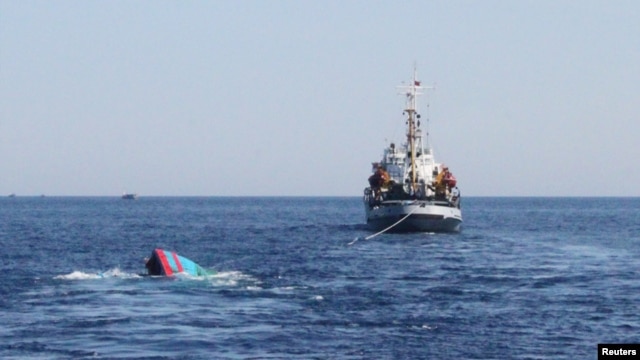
{"x":112,"y":273}
{"x":223,"y":279}
{"x":77,"y":275}
{"x":232,"y":278}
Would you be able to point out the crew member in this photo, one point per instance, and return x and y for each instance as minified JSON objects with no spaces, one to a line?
{"x":441,"y":183}
{"x":380,"y":179}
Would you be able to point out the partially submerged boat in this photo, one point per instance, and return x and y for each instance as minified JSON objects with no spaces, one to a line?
{"x":168,"y":263}
{"x":409,"y":191}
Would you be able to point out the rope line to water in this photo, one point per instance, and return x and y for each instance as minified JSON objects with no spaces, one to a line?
{"x":385,"y":230}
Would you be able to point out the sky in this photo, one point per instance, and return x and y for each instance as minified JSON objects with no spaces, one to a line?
{"x":299,"y":97}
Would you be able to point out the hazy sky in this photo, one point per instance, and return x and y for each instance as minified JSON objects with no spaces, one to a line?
{"x":299,"y":97}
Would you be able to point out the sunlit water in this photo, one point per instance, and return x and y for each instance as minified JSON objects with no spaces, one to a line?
{"x":528,"y":278}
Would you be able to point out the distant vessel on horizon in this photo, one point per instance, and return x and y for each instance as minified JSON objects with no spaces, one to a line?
{"x":129,"y":196}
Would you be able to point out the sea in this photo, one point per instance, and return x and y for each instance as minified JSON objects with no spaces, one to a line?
{"x":296,"y":278}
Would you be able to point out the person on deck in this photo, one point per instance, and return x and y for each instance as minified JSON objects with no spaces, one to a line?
{"x":441,"y":183}
{"x":379,"y":180}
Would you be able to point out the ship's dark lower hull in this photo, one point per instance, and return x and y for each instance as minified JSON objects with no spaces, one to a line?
{"x":415,"y":217}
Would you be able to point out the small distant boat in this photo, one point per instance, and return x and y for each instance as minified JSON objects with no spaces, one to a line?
{"x":12,"y":195}
{"x":168,"y":263}
{"x":129,"y":196}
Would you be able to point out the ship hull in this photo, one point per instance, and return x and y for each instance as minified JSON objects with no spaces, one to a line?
{"x":168,"y":263}
{"x":423,"y":216}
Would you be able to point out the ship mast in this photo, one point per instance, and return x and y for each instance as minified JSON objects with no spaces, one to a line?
{"x":411,"y":91}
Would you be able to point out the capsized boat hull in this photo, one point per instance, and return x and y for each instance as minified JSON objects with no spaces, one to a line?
{"x":424,"y":216}
{"x":168,"y":263}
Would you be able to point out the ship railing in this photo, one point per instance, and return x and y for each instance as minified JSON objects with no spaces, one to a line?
{"x":453,"y":199}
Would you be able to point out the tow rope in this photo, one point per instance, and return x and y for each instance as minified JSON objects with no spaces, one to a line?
{"x":385,"y":230}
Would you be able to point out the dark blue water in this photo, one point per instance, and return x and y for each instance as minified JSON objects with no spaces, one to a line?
{"x":528,"y":278}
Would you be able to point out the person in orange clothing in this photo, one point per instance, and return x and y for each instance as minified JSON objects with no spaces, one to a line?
{"x":379,"y":180}
{"x":441,"y":182}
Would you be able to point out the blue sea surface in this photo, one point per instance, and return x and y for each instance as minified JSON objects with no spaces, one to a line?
{"x":527,"y":278}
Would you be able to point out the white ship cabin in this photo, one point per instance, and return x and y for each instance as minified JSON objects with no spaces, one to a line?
{"x":397,"y":162}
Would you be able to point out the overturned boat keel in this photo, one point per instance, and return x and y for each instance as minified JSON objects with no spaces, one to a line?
{"x":168,"y":263}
